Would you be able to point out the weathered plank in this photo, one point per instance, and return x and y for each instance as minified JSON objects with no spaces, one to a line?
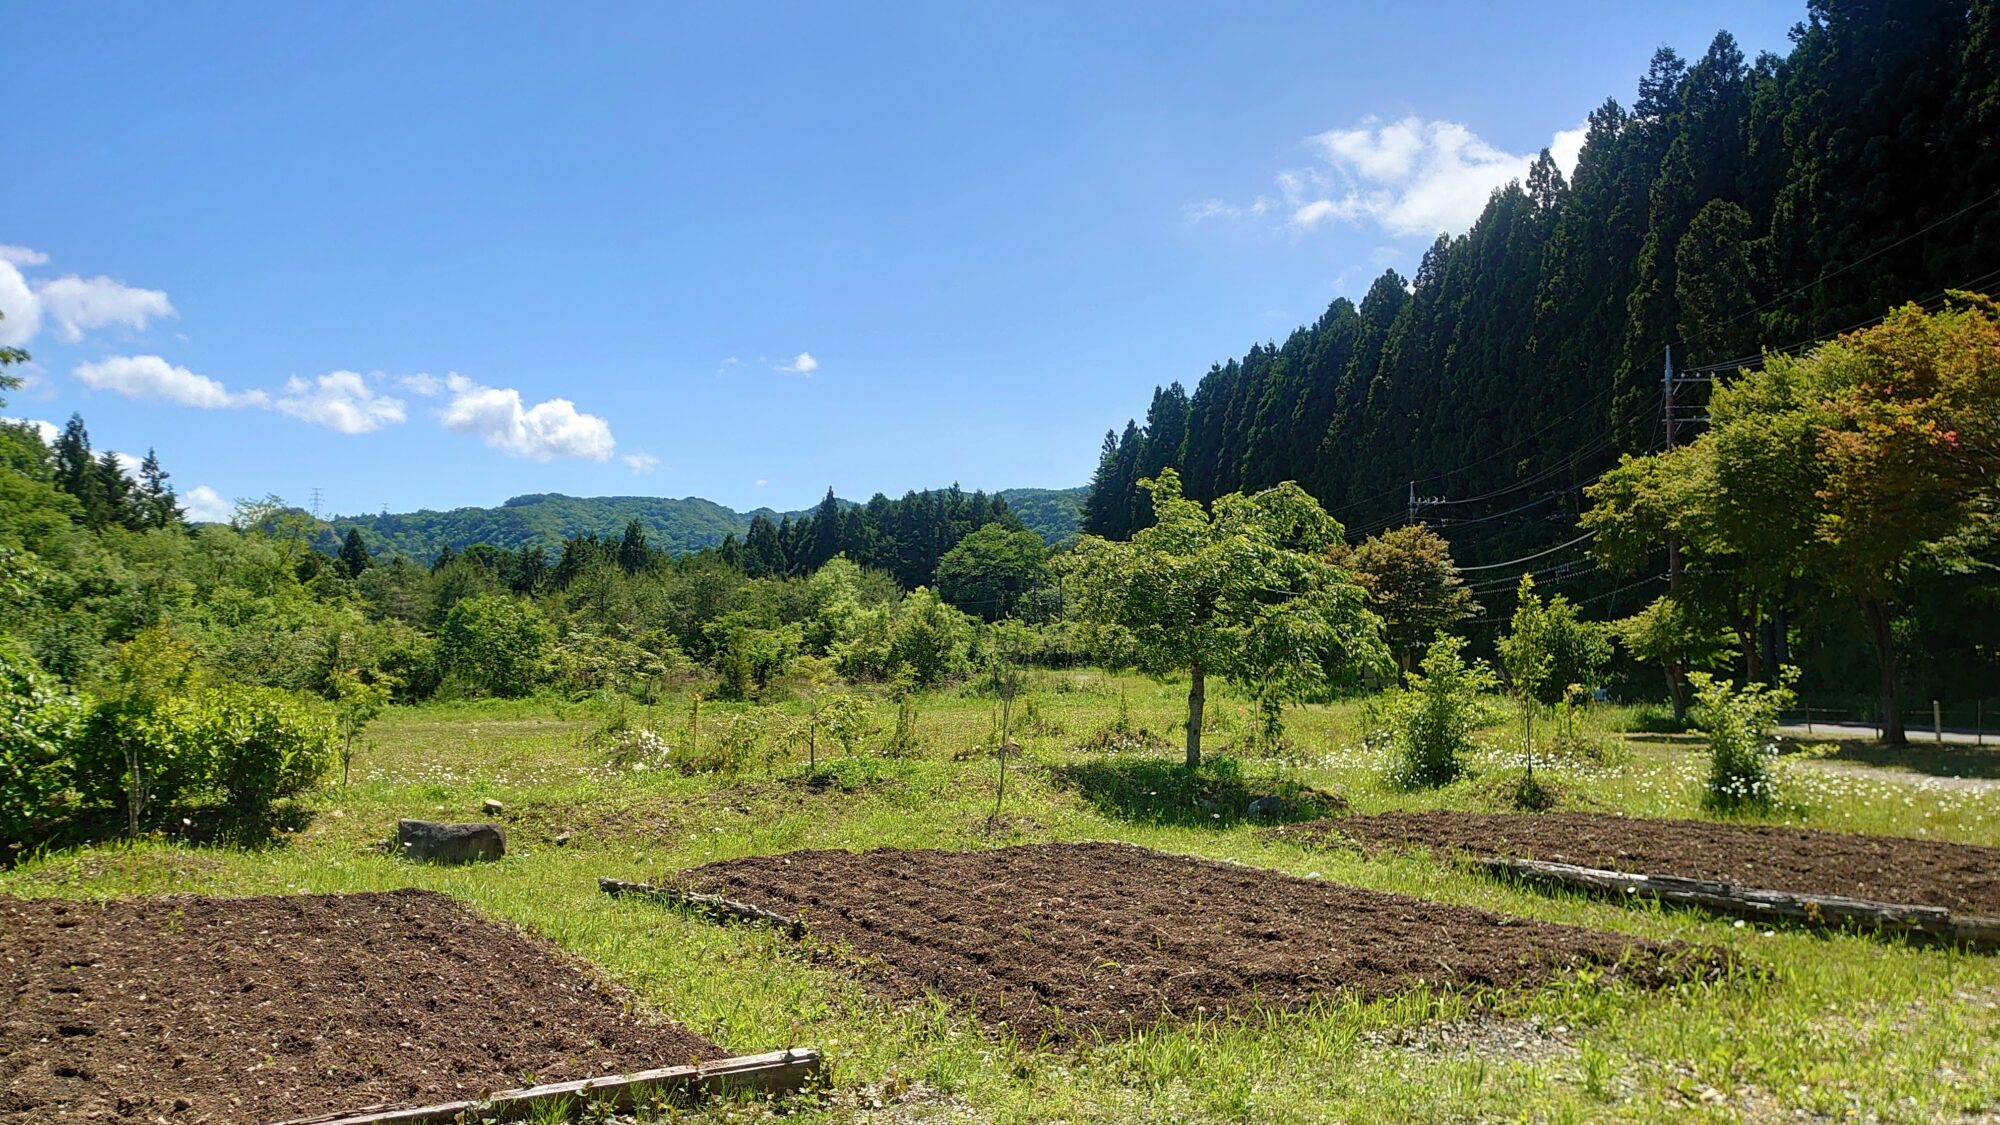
{"x":1930,"y":923}
{"x":707,"y":904}
{"x":780,"y":1072}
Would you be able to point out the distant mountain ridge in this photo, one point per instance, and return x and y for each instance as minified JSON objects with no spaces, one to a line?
{"x":679,"y":525}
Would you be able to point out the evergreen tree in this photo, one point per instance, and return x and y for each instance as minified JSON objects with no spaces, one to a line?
{"x":353,"y":554}
{"x":633,"y":554}
{"x":162,"y":507}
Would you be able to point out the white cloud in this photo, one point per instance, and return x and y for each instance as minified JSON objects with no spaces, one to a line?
{"x":543,"y":431}
{"x":149,"y":376}
{"x":20,"y":309}
{"x":338,"y":400}
{"x":761,"y":482}
{"x":129,"y":462}
{"x":205,"y":505}
{"x":77,"y":304}
{"x":74,"y":305}
{"x":46,"y":430}
{"x":802,"y":364}
{"x":641,"y":463}
{"x":429,"y":386}
{"x":1411,"y":177}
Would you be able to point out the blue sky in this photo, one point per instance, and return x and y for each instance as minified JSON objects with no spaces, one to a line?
{"x":438,"y":254}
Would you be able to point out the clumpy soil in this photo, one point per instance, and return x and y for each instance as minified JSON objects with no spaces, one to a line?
{"x":1963,"y":878}
{"x":186,"y":1009}
{"x":1061,"y":941}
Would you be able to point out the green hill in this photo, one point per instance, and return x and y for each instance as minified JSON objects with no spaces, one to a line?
{"x":686,"y":524}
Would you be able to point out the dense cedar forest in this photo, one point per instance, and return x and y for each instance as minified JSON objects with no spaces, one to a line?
{"x":1737,"y":205}
{"x":546,"y":519}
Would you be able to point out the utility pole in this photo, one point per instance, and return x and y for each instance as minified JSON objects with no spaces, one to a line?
{"x":1667,"y":407}
{"x":1413,"y":503}
{"x":315,"y":501}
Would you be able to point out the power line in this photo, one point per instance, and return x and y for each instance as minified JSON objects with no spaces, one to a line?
{"x":1831,"y":274}
{"x":1529,"y":558}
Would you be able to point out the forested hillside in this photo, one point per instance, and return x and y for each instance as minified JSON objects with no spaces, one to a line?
{"x":1736,"y":205}
{"x":677,"y":526}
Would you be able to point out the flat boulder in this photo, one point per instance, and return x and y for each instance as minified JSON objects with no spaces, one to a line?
{"x":432,"y":842}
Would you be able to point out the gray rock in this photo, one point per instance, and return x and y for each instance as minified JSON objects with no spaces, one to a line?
{"x":492,"y":807}
{"x":432,"y":842}
{"x":1266,"y":806}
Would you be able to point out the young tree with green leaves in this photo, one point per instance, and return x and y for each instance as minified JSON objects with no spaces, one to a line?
{"x":1248,"y":593}
{"x":1549,"y":653}
{"x":1415,"y":587}
{"x":1676,"y":638}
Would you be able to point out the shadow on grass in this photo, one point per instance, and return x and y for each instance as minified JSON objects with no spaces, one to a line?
{"x":1933,"y":759}
{"x":199,"y":826}
{"x":1215,"y":794}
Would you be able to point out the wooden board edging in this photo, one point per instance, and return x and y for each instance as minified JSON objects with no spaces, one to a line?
{"x":1930,"y":923}
{"x":779,"y":1072}
{"x":708,"y":904}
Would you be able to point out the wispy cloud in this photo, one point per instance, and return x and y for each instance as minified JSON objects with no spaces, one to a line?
{"x":544,"y":431}
{"x":641,"y":463}
{"x":801,"y":364}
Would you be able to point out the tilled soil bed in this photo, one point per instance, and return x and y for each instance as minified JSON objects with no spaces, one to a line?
{"x":1059,"y":941}
{"x":186,"y":1009}
{"x":1963,"y":878}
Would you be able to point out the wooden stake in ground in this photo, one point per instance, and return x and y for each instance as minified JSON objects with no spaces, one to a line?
{"x":780,"y":1072}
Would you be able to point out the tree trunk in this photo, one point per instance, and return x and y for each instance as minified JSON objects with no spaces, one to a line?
{"x":1877,"y":613}
{"x":1677,"y":687}
{"x":1197,"y":695}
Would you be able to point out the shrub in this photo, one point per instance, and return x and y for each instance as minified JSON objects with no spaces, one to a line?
{"x":1741,"y":727}
{"x":247,"y":746}
{"x":1432,"y":719}
{"x":38,"y":724}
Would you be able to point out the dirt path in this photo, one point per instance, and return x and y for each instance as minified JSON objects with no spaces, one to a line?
{"x":186,"y":1009}
{"x":1059,"y":941}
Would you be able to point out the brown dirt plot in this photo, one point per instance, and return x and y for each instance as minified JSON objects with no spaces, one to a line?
{"x":186,"y":1009}
{"x":1059,"y":941}
{"x":1959,"y":877}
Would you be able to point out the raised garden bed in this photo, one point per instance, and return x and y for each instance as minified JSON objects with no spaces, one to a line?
{"x":1061,"y":941}
{"x":188,"y":1009}
{"x":1962,"y":878}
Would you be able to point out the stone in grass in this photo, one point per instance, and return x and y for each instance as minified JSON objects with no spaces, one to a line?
{"x":492,"y":807}
{"x":432,"y":842}
{"x":1266,"y":806}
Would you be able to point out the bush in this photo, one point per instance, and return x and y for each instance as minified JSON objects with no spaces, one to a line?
{"x":38,"y":725}
{"x":244,"y":746}
{"x":1432,"y":719}
{"x":1741,"y":727}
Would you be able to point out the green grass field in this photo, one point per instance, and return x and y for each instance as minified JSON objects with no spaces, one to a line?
{"x":1813,"y":1025}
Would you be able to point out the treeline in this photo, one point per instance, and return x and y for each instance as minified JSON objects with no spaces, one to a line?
{"x":680,"y":526}
{"x":1736,"y":204}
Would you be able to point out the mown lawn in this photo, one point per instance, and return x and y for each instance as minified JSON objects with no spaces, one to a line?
{"x":1824,"y":1026}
